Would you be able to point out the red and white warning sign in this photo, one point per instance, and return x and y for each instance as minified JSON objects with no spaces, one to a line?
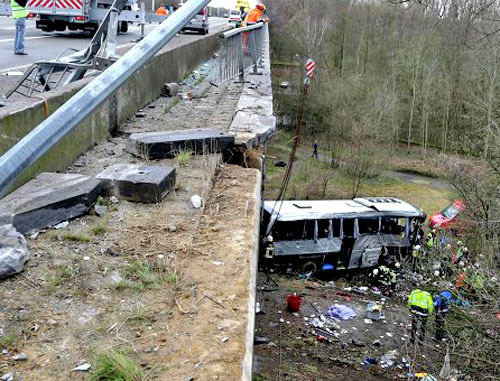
{"x":310,"y":66}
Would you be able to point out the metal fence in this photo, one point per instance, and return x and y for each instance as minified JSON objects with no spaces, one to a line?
{"x":241,"y":52}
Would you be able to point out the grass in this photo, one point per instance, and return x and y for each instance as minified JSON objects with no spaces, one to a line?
{"x":62,"y":274}
{"x":8,"y":341}
{"x":113,"y":365}
{"x":56,"y":235}
{"x":141,"y":275}
{"x":184,"y":157}
{"x":75,"y":236}
{"x":171,"y":104}
{"x":100,"y":227}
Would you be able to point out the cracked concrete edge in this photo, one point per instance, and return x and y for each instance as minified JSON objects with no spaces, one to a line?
{"x":257,"y":103}
{"x":252,"y":292}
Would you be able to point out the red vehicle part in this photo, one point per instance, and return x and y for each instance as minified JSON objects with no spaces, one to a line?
{"x":446,"y":218}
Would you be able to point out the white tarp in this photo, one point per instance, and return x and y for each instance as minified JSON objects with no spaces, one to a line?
{"x":13,"y":251}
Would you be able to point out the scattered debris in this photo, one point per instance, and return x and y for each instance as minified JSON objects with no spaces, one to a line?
{"x":224,"y":339}
{"x":374,"y":311}
{"x":114,"y":200}
{"x":261,"y":340}
{"x":341,"y":311}
{"x":20,"y":357}
{"x":85,"y":367}
{"x":13,"y":251}
{"x":100,"y":210}
{"x":172,"y":228}
{"x":196,"y":201}
{"x":140,"y":114}
{"x":7,"y":377}
{"x":61,"y":226}
{"x":218,"y":262}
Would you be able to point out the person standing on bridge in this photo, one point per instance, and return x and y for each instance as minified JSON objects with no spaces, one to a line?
{"x":19,"y":13}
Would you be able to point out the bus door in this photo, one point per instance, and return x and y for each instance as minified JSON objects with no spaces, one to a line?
{"x":395,"y":232}
{"x":348,"y":228}
{"x":367,"y":246}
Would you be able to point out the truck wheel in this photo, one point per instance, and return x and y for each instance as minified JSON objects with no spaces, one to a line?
{"x":123,"y":26}
{"x":60,"y":26}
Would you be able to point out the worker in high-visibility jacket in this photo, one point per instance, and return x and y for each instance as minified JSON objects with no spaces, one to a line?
{"x":162,"y":11}
{"x":253,"y":17}
{"x":421,"y":307}
{"x":430,"y":239}
{"x":19,"y":13}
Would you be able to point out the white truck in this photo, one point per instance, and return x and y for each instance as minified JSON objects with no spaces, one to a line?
{"x":57,"y":15}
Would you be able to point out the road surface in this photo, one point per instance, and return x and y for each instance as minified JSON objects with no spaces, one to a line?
{"x":43,"y":46}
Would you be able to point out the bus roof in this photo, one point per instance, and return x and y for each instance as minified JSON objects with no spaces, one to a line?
{"x":293,"y":210}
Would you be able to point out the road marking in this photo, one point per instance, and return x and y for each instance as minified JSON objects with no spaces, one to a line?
{"x":27,"y":38}
{"x":15,"y":68}
{"x":14,"y":28}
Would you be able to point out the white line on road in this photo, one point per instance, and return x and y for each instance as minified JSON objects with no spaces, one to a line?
{"x":27,"y":38}
{"x":14,"y":28}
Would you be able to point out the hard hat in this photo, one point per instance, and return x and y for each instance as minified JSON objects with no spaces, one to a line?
{"x":417,"y":247}
{"x":448,"y":246}
{"x":269,"y":238}
{"x":375,"y":272}
{"x":436,"y":273}
{"x":398,"y":265}
{"x":459,"y":243}
{"x":461,"y":264}
{"x":260,"y":7}
{"x":465,"y":250}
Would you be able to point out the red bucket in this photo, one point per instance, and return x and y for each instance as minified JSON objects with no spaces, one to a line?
{"x":293,"y":302}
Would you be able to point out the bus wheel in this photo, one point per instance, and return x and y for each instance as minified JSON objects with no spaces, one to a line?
{"x":309,"y":268}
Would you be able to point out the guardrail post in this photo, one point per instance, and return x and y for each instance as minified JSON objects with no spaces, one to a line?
{"x":241,"y":58}
{"x":254,"y":50}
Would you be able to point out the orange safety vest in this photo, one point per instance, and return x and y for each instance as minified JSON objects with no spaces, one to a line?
{"x":254,"y":15}
{"x":161,"y":11}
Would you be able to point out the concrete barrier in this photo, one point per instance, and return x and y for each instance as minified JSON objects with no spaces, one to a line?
{"x":170,"y":65}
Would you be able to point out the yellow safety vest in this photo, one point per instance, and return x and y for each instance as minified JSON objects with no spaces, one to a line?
{"x":18,"y":12}
{"x":421,"y":299}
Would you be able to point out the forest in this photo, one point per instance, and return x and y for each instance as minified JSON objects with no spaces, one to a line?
{"x":397,"y":79}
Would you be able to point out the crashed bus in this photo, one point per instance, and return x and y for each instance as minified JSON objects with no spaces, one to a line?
{"x":338,"y":234}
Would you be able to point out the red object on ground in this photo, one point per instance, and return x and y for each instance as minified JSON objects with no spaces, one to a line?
{"x":321,"y":338}
{"x":293,"y":302}
{"x":347,"y":297}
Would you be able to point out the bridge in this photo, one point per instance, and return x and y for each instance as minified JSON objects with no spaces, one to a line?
{"x":139,"y":210}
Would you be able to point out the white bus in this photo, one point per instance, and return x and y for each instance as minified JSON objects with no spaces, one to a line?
{"x":338,"y":234}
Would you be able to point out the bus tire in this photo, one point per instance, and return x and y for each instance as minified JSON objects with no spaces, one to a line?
{"x":309,"y":267}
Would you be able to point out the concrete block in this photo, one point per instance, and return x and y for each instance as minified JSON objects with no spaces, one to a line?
{"x":141,"y":183}
{"x":252,"y":129}
{"x":48,"y":199}
{"x":166,"y":144}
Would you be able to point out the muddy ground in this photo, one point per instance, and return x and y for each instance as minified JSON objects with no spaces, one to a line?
{"x":294,"y":352}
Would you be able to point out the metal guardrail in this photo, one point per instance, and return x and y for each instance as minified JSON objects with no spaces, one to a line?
{"x":48,"y":133}
{"x":242,"y":49}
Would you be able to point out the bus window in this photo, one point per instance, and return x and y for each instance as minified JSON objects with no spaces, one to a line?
{"x":323,"y":228}
{"x":368,"y":225}
{"x":308,"y":229}
{"x":393,"y":225}
{"x":348,"y":226}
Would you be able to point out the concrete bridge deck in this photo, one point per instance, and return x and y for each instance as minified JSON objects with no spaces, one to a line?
{"x":169,"y":285}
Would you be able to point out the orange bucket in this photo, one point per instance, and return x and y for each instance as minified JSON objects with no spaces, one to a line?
{"x":293,"y":302}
